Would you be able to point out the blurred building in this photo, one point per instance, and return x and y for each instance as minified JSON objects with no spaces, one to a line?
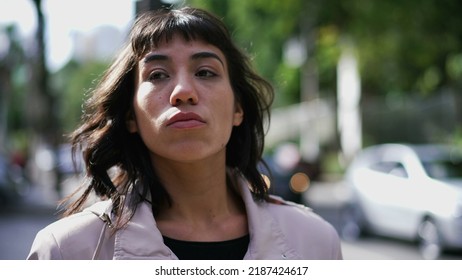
{"x":100,"y":44}
{"x":103,"y":42}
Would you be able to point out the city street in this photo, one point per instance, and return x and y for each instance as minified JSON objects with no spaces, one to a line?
{"x":18,"y":229}
{"x":19,"y":224}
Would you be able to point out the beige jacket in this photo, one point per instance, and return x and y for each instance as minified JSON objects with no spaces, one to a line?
{"x":280,"y":230}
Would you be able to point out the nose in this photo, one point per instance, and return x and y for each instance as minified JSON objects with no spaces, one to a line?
{"x":184,"y":92}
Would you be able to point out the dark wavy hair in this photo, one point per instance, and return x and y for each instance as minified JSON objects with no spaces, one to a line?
{"x":117,"y":162}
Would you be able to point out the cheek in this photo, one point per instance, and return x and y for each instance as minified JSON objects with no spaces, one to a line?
{"x":143,"y":93}
{"x":146,"y":99}
{"x":146,"y":107}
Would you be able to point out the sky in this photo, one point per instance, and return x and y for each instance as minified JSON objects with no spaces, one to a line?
{"x":65,"y":17}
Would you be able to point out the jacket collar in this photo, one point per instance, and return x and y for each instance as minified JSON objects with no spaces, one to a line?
{"x":141,"y":239}
{"x":267,"y":240}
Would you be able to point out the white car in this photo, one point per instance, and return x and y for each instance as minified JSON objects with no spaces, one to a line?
{"x":412,"y":192}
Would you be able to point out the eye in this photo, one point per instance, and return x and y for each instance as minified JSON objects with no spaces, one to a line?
{"x":205,"y":73}
{"x":157,"y":75}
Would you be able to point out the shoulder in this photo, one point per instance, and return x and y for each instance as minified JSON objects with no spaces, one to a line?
{"x":78,"y":223}
{"x":72,"y":237}
{"x":291,"y":213}
{"x":304,"y":229}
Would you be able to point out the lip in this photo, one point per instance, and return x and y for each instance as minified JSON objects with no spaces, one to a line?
{"x":185,"y":120}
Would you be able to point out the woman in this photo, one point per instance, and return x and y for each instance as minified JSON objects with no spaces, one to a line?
{"x":171,"y":139}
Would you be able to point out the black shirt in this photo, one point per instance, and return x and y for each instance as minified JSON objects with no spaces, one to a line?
{"x":234,"y":249}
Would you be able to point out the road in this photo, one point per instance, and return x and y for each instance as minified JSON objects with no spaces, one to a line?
{"x":18,"y":229}
{"x":19,"y":224}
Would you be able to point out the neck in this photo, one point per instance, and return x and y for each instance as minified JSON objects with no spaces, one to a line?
{"x":202,"y":203}
{"x":195,"y":188}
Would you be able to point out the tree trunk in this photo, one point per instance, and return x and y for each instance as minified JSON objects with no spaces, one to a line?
{"x":44,"y":122}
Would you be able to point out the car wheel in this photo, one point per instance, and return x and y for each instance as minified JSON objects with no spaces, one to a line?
{"x":429,"y":240}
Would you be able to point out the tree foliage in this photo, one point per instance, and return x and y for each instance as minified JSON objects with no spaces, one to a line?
{"x":12,"y":83}
{"x":74,"y":81}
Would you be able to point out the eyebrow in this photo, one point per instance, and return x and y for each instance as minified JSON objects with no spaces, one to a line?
{"x":160,"y":57}
{"x":154,"y":57}
{"x":201,"y":55}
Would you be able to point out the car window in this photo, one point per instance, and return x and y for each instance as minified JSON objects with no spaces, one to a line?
{"x":399,"y":171}
{"x":390,"y":167}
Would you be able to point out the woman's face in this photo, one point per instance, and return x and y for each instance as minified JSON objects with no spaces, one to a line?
{"x":184,"y":106}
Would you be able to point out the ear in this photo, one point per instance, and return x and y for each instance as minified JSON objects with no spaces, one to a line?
{"x":130,"y":122}
{"x":238,"y":116}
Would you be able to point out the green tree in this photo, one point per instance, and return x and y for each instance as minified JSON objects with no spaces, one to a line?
{"x":11,"y":81}
{"x":73,"y":82}
{"x":407,"y":46}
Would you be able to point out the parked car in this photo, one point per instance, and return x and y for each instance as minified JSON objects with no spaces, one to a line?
{"x":411,"y":192}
